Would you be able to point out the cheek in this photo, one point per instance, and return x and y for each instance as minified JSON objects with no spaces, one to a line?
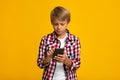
{"x":64,"y":27}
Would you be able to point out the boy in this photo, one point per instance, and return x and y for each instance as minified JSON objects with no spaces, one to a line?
{"x":62,"y":66}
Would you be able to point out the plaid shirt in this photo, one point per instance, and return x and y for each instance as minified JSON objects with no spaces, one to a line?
{"x":72,"y":49}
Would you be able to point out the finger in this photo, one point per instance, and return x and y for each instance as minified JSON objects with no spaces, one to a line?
{"x":64,"y":52}
{"x":51,"y":54}
{"x":60,"y":55}
{"x":56,"y":58}
{"x":48,"y":52}
{"x":52,"y":51}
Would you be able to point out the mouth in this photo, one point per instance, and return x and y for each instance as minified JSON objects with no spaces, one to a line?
{"x":58,"y":31}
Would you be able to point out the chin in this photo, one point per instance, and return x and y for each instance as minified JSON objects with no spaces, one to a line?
{"x":59,"y":33}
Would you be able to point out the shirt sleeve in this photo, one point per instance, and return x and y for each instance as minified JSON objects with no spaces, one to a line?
{"x":76,"y":58}
{"x":42,"y":54}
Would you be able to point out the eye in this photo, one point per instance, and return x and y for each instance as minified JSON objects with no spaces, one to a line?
{"x":62,"y":24}
{"x":55,"y":24}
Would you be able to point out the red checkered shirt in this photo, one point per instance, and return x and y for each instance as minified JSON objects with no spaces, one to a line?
{"x":72,"y":49}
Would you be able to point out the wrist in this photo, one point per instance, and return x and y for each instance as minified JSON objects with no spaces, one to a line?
{"x":68,"y":62}
{"x":65,"y":60}
{"x":46,"y":60}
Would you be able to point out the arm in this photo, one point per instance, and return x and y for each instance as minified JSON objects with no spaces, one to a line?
{"x":44,"y":56}
{"x":68,"y":62}
{"x":76,"y":59}
{"x":74,"y":63}
{"x":71,"y":63}
{"x":49,"y":57}
{"x":63,"y":58}
{"x":41,"y":54}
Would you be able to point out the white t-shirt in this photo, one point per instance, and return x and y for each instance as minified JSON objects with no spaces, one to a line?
{"x":59,"y":71}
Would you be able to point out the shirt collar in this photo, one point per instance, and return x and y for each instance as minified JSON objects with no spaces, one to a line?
{"x":68,"y":35}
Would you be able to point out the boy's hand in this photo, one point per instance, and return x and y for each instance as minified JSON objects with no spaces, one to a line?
{"x":64,"y":59}
{"x":61,"y":58}
{"x":49,"y":56}
{"x":50,"y":53}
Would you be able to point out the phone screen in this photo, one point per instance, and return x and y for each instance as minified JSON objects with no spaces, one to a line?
{"x":58,"y":51}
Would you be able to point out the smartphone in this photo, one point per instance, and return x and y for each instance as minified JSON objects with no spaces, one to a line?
{"x":58,"y":51}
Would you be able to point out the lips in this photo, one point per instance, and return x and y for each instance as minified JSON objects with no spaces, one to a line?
{"x":58,"y":31}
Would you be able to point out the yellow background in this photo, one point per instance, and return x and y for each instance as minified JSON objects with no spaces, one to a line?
{"x":95,"y":22}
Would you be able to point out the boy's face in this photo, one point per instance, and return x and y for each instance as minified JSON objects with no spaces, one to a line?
{"x":60,"y":26}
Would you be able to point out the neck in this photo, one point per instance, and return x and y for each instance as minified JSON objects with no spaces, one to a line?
{"x":61,"y":36}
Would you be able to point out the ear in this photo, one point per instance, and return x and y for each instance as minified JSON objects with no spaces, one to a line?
{"x":68,"y":22}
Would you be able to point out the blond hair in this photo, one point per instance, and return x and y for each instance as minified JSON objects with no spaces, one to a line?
{"x":60,"y":13}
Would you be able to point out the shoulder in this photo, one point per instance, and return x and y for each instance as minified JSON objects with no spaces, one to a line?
{"x":75,"y":40}
{"x":48,"y":36}
{"x":74,"y":37}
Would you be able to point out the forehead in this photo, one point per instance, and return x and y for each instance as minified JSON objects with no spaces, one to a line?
{"x":60,"y":21}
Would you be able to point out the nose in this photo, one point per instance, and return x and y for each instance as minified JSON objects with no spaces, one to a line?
{"x":59,"y":26}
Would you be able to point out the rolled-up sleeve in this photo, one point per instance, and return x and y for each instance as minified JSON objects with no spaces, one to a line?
{"x":76,"y":56}
{"x":42,"y":53}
